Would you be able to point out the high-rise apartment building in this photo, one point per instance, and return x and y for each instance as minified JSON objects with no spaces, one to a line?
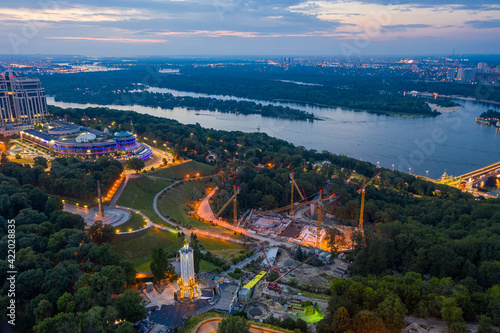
{"x":22,"y":100}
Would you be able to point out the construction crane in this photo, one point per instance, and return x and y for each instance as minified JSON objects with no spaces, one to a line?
{"x":274,"y":285}
{"x":235,"y":202}
{"x":302,"y":204}
{"x":275,"y":268}
{"x":318,"y":228}
{"x":362,"y":191}
{"x":293,"y":183}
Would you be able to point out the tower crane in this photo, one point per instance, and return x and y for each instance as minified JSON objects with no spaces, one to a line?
{"x":274,"y":285}
{"x":293,"y":183}
{"x":235,"y":202}
{"x":362,"y":191}
{"x":318,"y":228}
{"x":302,"y":204}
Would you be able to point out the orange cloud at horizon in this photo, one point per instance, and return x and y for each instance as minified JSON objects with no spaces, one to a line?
{"x":112,"y":39}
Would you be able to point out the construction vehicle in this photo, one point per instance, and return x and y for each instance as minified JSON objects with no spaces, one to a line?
{"x":235,"y":205}
{"x":294,"y":184}
{"x":362,"y":191}
{"x":274,"y":284}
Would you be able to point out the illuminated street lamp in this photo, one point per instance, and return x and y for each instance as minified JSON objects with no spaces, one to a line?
{"x":427,"y":173}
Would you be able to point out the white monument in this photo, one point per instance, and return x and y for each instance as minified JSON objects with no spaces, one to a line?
{"x":187,"y":282}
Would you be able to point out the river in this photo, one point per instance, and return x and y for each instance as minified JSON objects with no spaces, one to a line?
{"x":452,"y":141}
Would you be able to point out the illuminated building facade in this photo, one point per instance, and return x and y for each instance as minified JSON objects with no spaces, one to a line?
{"x":187,"y":282}
{"x":68,"y":139}
{"x":22,"y":100}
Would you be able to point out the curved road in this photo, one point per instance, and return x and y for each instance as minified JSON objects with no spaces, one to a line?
{"x":210,"y":326}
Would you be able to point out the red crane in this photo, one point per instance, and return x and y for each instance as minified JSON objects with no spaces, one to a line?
{"x":274,"y":285}
{"x":268,"y":262}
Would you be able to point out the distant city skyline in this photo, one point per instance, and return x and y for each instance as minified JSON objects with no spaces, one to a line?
{"x":225,"y":27}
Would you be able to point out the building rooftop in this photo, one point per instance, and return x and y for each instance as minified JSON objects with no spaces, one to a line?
{"x":255,"y":280}
{"x":271,"y":256}
{"x":122,"y":134}
{"x":42,"y":135}
{"x":228,"y":291}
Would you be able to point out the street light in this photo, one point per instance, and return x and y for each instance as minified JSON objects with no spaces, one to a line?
{"x":410,"y":170}
{"x":393,"y":167}
{"x":427,"y":173}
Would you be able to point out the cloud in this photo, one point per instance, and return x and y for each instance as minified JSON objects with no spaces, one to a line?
{"x":74,"y":13}
{"x":113,"y":39}
{"x":244,"y":34}
{"x":403,"y":27}
{"x":487,"y":24}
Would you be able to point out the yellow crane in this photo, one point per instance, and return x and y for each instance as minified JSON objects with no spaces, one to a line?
{"x":318,"y":228}
{"x":301,"y":204}
{"x":362,"y":191}
{"x":235,"y":204}
{"x":293,"y":183}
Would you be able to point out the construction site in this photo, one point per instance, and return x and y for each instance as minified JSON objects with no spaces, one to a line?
{"x":294,"y":264}
{"x":302,"y":222}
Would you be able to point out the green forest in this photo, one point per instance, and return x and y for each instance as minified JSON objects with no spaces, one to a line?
{"x":65,"y":281}
{"x":69,"y":177}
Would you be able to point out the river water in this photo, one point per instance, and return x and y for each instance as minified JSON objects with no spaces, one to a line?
{"x":452,"y":141}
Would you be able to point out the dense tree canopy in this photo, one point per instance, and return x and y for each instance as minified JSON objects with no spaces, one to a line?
{"x":64,"y":280}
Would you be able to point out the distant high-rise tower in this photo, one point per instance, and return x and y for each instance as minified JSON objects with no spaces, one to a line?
{"x":482,"y":67}
{"x":466,"y":74}
{"x":187,"y":281}
{"x":451,"y":74}
{"x":22,"y":100}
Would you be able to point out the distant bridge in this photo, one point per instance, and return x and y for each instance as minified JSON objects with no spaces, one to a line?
{"x":495,"y":167}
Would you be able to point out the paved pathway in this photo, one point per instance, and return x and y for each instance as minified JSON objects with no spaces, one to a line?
{"x":206,"y":213}
{"x":183,"y":229}
{"x":210,"y":326}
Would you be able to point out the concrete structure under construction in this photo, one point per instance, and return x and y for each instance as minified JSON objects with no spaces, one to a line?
{"x":189,"y":290}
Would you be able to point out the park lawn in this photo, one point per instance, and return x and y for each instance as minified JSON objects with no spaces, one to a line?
{"x":140,"y":193}
{"x":141,"y":244}
{"x":21,"y":160}
{"x":224,"y":249}
{"x":173,"y":205}
{"x":180,"y":171}
{"x":136,"y":222}
{"x":311,"y":318}
{"x":206,"y":266}
{"x":314,"y":295}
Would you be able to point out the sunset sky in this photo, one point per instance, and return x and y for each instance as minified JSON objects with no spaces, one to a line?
{"x":236,"y":27}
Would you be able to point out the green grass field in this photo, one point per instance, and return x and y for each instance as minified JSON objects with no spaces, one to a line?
{"x":206,"y":266}
{"x":139,"y":194}
{"x":182,"y":170}
{"x":224,"y":249}
{"x":173,"y":204}
{"x":311,"y":318}
{"x":136,"y":222}
{"x":138,"y":246}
